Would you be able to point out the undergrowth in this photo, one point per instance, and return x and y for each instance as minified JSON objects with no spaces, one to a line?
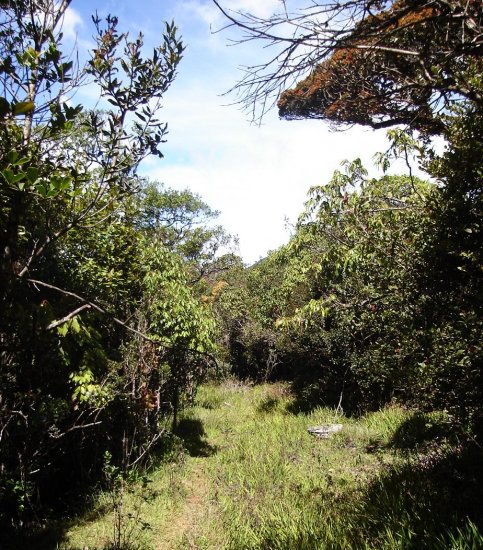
{"x":393,"y":479}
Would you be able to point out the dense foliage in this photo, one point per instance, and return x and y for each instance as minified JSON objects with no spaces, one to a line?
{"x":108,"y":283}
{"x":378,"y":294}
{"x":102,"y":333}
{"x":357,"y":309}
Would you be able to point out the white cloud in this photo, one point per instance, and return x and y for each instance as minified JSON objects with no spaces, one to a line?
{"x":208,"y":12}
{"x":254,"y":175}
{"x":71,"y":24}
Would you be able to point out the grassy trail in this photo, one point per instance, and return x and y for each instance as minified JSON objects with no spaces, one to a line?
{"x":185,"y":524}
{"x":250,"y":477}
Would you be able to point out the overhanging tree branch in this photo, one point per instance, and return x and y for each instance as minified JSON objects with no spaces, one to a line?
{"x":68,"y":317}
{"x":423,"y":45}
{"x":93,"y":305}
{"x":87,"y":304}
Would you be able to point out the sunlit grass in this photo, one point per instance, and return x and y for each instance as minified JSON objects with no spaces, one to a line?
{"x":252,"y":477}
{"x":154,"y":506}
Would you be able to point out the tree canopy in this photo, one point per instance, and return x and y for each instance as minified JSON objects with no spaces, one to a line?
{"x":375,"y":63}
{"x":102,"y":335}
{"x":379,"y":293}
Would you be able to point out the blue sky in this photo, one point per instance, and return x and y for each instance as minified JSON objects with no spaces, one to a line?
{"x":256,"y":176}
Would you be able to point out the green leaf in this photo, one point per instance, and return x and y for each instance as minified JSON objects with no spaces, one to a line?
{"x":8,"y":175}
{"x":4,"y":107}
{"x":23,"y":107}
{"x":62,"y":329}
{"x":12,"y":157}
{"x":20,"y":161}
{"x":32,"y":173}
{"x":41,"y":189}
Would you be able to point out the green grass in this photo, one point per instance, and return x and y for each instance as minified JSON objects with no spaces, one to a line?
{"x":251,"y":477}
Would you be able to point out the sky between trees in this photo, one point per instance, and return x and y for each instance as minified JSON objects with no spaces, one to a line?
{"x":256,"y":176}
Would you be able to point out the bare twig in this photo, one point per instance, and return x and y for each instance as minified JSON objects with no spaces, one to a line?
{"x":73,"y":428}
{"x":94,"y":306}
{"x":68,"y":317}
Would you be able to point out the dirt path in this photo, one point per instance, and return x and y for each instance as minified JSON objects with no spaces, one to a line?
{"x":185,"y":526}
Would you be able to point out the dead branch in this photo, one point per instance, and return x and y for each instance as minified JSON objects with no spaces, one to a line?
{"x":68,"y":317}
{"x":308,"y":36}
{"x":94,"y":306}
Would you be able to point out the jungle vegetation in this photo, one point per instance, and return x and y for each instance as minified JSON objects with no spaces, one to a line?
{"x":119,"y":296}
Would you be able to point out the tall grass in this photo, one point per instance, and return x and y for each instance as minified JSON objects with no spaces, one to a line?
{"x":252,"y":477}
{"x":373,"y":485}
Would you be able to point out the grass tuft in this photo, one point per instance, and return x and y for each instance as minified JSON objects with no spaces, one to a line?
{"x":252,"y":477}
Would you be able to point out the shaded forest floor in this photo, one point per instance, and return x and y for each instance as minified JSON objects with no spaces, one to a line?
{"x":243,"y":473}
